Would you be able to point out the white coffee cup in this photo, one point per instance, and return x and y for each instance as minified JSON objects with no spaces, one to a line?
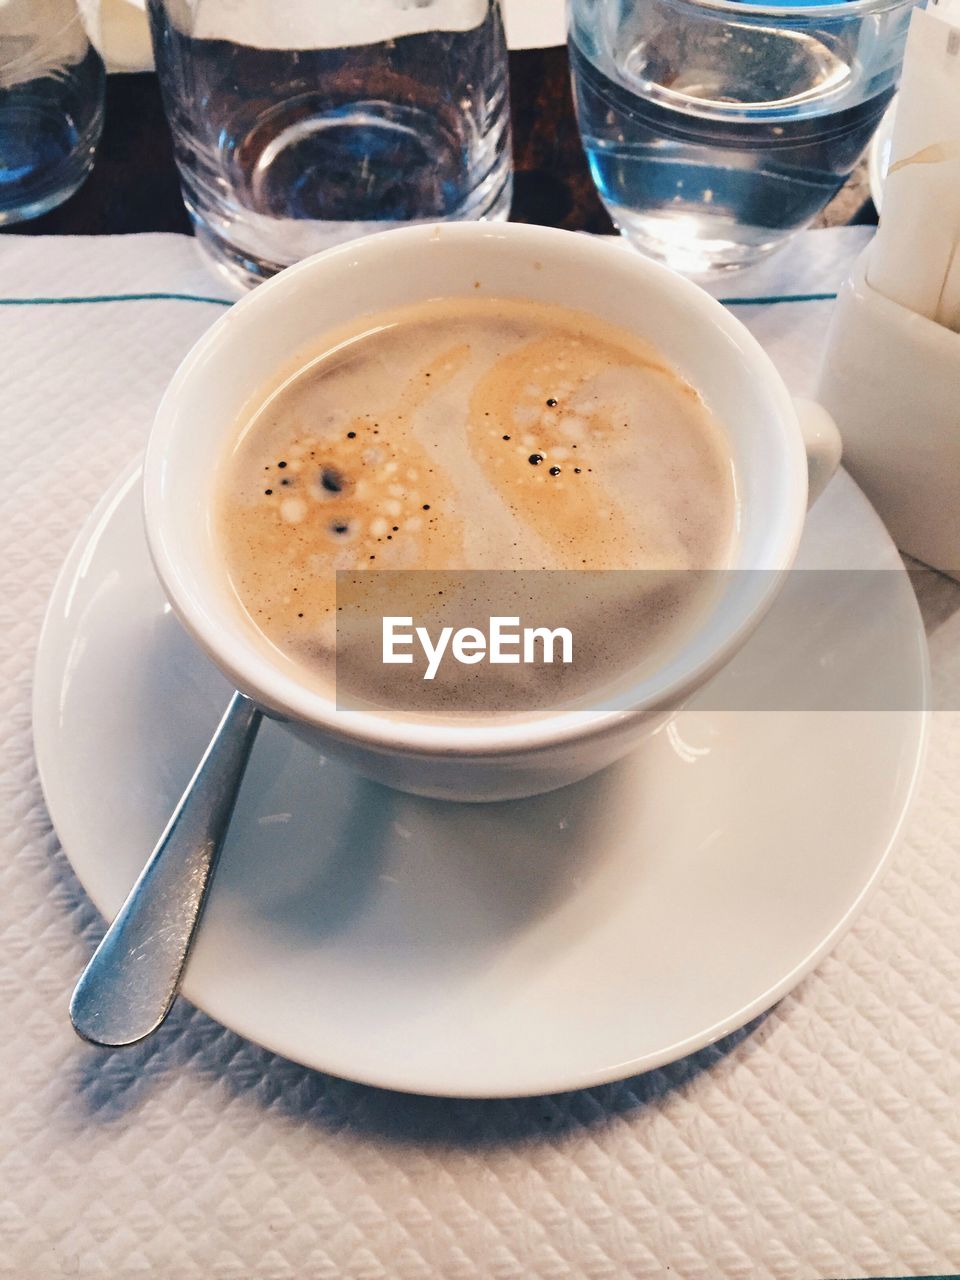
{"x":783,"y":452}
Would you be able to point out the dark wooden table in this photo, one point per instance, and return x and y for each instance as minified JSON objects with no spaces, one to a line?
{"x":134,"y":186}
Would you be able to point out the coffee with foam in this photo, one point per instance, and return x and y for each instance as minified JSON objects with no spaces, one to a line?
{"x":471,"y":434}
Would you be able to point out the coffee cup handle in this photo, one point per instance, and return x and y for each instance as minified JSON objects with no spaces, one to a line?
{"x":821,"y":439}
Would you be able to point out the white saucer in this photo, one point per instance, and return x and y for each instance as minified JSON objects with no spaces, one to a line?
{"x":509,"y":949}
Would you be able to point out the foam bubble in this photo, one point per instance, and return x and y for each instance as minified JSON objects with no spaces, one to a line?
{"x":292,"y":510}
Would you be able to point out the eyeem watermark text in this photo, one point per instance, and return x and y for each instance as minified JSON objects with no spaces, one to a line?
{"x":504,"y":642}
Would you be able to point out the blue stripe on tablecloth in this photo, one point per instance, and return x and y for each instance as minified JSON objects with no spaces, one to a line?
{"x":776,"y":298}
{"x":763,"y":301}
{"x":115,"y":297}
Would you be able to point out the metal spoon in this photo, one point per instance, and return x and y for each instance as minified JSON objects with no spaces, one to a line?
{"x":130,"y":984}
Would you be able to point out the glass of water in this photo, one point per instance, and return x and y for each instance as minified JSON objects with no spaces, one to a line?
{"x":303,"y":124}
{"x":717,"y":128}
{"x":51,"y":105}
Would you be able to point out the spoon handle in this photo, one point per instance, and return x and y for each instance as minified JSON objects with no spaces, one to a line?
{"x":131,"y":982}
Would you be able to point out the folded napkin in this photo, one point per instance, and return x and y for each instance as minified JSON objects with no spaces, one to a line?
{"x":118,"y":29}
{"x":916,"y":259}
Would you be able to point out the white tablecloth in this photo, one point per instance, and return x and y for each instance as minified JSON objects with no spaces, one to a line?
{"x":824,"y":1142}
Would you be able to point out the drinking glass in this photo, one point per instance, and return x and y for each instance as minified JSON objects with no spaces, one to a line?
{"x":51,"y":105}
{"x":301,"y":125}
{"x":715,"y":129}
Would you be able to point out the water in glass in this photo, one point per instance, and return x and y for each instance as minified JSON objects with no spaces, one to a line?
{"x":715,"y":129}
{"x":51,"y":105}
{"x":297,"y":130}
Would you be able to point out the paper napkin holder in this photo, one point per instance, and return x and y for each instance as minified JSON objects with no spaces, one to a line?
{"x":891,"y":380}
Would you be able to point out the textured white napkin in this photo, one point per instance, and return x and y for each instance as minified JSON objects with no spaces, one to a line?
{"x":824,"y":1143}
{"x":119,"y":28}
{"x":535,"y":24}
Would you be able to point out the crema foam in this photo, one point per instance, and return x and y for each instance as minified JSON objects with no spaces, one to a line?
{"x":475,"y":434}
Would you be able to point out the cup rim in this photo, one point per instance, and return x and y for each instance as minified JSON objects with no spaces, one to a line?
{"x":228,"y":640}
